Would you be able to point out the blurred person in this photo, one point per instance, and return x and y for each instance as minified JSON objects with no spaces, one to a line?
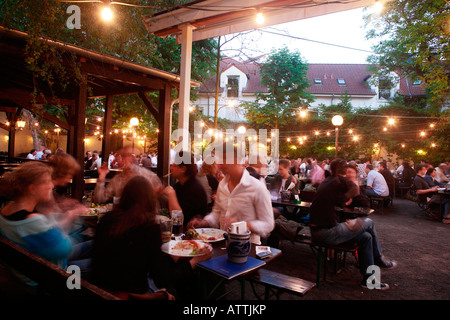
{"x":240,"y":197}
{"x":207,"y":177}
{"x":190,"y":193}
{"x":21,"y":222}
{"x":407,"y":175}
{"x":427,"y":194}
{"x":440,"y":174}
{"x":376,"y":184}
{"x":430,"y":177}
{"x":127,"y":256}
{"x":88,"y":160}
{"x":283,"y":180}
{"x":257,"y":166}
{"x":96,"y":161}
{"x":387,"y":175}
{"x":32,"y":154}
{"x":360,"y":200}
{"x":317,"y":174}
{"x":336,"y":190}
{"x":113,"y":190}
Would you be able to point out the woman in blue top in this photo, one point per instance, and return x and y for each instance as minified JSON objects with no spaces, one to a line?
{"x":28,"y":185}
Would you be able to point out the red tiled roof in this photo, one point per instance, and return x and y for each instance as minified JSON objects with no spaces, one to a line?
{"x":407,"y":88}
{"x":355,"y":76}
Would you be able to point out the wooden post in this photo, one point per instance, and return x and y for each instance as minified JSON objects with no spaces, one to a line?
{"x":165,"y":125}
{"x":107,"y":127}
{"x":78,"y":126}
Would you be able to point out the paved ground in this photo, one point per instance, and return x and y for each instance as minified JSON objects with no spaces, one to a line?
{"x":419,"y":245}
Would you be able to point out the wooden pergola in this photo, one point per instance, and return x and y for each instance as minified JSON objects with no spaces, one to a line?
{"x":100,"y":76}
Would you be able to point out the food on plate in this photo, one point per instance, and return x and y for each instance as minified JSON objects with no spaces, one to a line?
{"x":97,"y":209}
{"x":190,"y":247}
{"x":203,"y":234}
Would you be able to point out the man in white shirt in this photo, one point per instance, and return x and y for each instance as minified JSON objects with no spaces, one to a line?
{"x":376,"y":184}
{"x":240,"y":197}
{"x":96,"y":161}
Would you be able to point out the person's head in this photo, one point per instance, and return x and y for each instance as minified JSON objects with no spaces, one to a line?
{"x":64,"y":168}
{"x":283,"y":168}
{"x":30,"y":179}
{"x":421,"y":169}
{"x":137,"y":206}
{"x":184,"y":166}
{"x":443,"y":167}
{"x":208,"y":169}
{"x":33,"y":152}
{"x":230,"y":161}
{"x":405,"y":164}
{"x":431,"y":172}
{"x":338,"y":167}
{"x":382,"y":165}
{"x":351,"y":172}
{"x":368,"y":168}
{"x":88,"y":154}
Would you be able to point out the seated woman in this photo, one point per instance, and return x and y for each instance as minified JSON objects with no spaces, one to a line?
{"x":361,"y":200}
{"x":127,"y":248}
{"x":30,"y":184}
{"x":207,"y":177}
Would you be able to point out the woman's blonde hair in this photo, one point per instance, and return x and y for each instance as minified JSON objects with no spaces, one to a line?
{"x":16,"y":182}
{"x":63,"y":164}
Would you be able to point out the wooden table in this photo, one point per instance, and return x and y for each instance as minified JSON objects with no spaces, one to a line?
{"x":443,"y":194}
{"x":220,"y":252}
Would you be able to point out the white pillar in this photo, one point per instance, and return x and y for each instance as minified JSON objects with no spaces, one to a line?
{"x":185,"y":81}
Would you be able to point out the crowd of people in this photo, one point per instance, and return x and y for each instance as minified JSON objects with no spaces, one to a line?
{"x":125,"y":255}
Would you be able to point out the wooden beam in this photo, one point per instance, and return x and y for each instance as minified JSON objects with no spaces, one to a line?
{"x":149,"y":105}
{"x":107,"y":127}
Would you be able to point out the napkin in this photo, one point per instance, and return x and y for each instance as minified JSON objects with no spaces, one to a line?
{"x":239,"y":227}
{"x":290,"y":186}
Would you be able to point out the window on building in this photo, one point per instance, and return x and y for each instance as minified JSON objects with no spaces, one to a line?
{"x":317,"y":81}
{"x":384,"y":89}
{"x":417,"y":82}
{"x":341,"y":82}
{"x":233,"y":87}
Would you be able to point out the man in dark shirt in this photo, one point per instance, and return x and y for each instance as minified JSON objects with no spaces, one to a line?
{"x":190,"y":193}
{"x":336,"y":190}
{"x":390,"y":180}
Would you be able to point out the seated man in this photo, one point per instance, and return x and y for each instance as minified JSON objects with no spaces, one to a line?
{"x":325,"y":227}
{"x":376,"y":184}
{"x":428,"y":194}
{"x":240,"y":197}
{"x":440,"y":174}
{"x":387,"y":175}
{"x":113,"y":190}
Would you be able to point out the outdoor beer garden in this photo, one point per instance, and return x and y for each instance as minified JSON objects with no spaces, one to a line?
{"x":141,"y":160}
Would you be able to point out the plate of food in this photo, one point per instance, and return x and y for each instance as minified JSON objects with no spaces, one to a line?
{"x":441,"y":189}
{"x":204,"y":234}
{"x":186,"y":248}
{"x":96,"y":210}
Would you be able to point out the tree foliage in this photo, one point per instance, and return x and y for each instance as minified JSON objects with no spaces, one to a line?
{"x":415,"y":43}
{"x":284,"y":75}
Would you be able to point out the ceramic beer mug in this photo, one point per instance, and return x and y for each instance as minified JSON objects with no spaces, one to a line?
{"x":238,"y":246}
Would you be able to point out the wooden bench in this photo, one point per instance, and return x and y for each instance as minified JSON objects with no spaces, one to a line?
{"x":52,"y":279}
{"x":280,"y":283}
{"x":380,"y":200}
{"x":320,"y":251}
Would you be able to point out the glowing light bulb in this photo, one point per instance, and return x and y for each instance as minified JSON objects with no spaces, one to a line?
{"x":259,"y":18}
{"x":107,"y":14}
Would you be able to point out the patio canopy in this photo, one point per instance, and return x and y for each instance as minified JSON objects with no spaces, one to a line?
{"x":101,"y":76}
{"x":204,"y":19}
